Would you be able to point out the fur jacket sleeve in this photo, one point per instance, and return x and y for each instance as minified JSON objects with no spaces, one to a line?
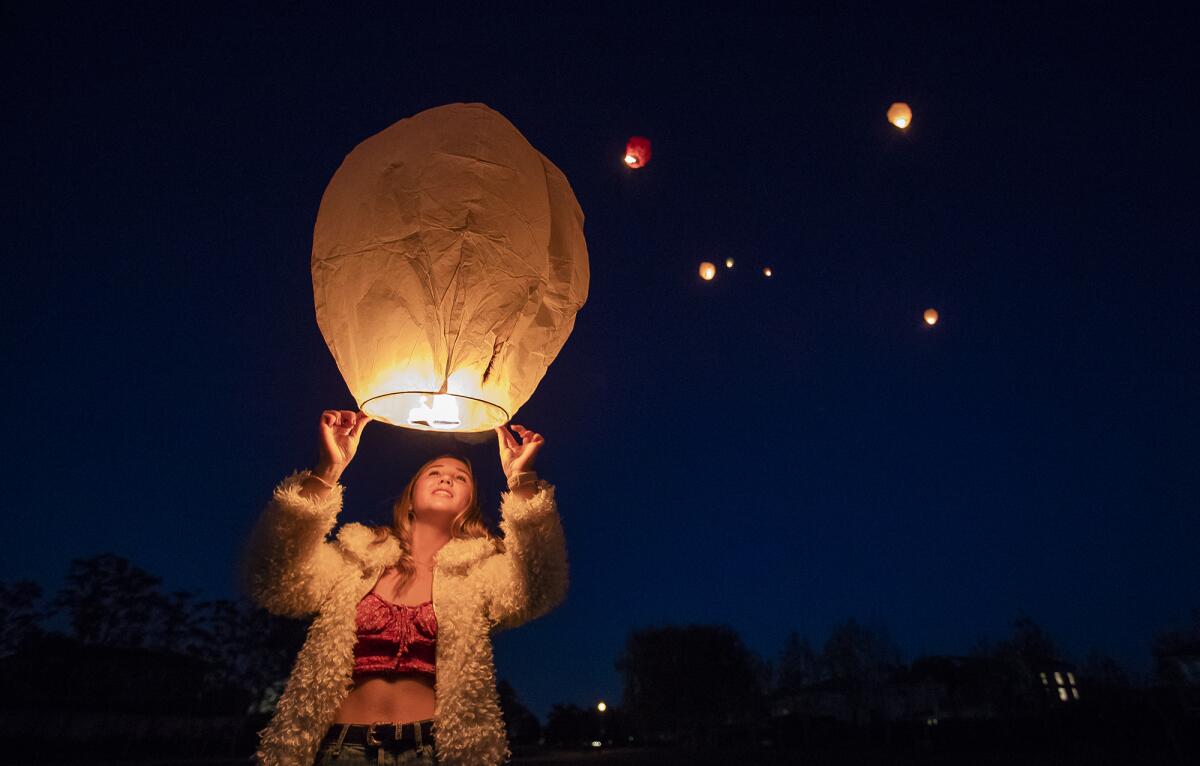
{"x":529,"y":578}
{"x":287,"y":566}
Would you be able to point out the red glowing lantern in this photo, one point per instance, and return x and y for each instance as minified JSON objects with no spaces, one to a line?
{"x":637,"y":152}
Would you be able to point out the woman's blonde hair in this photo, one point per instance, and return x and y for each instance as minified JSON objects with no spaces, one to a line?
{"x":468,"y":524}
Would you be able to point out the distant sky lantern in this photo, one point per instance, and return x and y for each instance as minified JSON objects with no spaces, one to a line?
{"x":767,"y":271}
{"x":637,"y":152}
{"x":448,"y":265}
{"x":707,"y":271}
{"x":729,"y":263}
{"x":931,"y":317}
{"x":900,"y":115}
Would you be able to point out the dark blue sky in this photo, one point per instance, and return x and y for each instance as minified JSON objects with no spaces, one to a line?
{"x":768,"y":454}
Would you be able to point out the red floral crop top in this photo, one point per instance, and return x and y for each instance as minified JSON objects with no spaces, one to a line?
{"x":394,"y":638}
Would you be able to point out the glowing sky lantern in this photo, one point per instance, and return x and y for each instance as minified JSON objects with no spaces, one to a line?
{"x":931,"y":317}
{"x":707,"y":271}
{"x":900,"y":115}
{"x":448,"y":265}
{"x":637,"y":152}
{"x":729,"y":263}
{"x":767,"y":272}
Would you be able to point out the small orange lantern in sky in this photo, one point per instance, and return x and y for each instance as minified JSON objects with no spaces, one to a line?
{"x":707,"y":271}
{"x":767,"y":271}
{"x":931,"y":317}
{"x":900,"y":115}
{"x":637,"y":152}
{"x":729,"y":263}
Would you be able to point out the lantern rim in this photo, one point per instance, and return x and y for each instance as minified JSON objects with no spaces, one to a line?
{"x":487,"y":415}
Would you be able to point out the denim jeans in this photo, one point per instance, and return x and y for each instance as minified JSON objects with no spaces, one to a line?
{"x":330,"y":754}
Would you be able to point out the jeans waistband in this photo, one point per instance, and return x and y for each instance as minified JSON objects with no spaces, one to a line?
{"x":386,"y":734}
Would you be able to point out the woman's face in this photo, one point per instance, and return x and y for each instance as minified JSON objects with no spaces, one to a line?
{"x":444,"y":487}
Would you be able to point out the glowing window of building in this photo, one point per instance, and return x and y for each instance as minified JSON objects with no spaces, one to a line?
{"x":1058,"y":679}
{"x":1044,"y":681}
{"x":1062,"y":694}
{"x":1075,"y":693}
{"x":1071,"y":678}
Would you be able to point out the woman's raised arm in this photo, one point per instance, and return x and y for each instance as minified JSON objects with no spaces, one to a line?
{"x":530,"y":577}
{"x":286,"y":565}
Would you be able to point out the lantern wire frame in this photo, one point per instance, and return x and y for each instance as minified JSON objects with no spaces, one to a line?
{"x":474,"y":414}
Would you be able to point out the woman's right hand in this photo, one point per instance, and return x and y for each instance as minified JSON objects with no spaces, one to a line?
{"x":340,"y":432}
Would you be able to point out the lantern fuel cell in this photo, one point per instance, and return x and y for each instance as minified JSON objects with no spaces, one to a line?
{"x":448,"y":265}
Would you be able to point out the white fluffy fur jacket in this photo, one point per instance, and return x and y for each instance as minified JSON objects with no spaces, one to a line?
{"x":289,"y":568}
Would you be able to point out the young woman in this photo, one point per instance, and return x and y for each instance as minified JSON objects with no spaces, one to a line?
{"x":397,"y":666}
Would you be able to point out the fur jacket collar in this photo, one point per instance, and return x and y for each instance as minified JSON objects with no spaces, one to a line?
{"x":357,"y":542}
{"x":290,"y":568}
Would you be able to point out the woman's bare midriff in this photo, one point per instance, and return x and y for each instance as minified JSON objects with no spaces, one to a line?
{"x":395,"y":698}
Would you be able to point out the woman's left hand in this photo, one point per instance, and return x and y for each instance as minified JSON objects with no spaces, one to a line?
{"x":517,"y":456}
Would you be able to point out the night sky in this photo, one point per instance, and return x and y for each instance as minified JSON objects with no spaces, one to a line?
{"x":769,"y":454}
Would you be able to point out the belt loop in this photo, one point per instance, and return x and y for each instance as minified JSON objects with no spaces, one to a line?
{"x":337,"y":747}
{"x":417,"y":733}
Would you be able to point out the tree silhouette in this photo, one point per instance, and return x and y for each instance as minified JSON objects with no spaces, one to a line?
{"x":1099,"y":671}
{"x":1177,"y":654}
{"x":686,"y":680}
{"x":112,"y":602}
{"x":571,"y":726}
{"x":248,"y":647}
{"x":1017,"y":660}
{"x":860,"y":660}
{"x":20,"y":617}
{"x":521,"y":725}
{"x":798,"y":665}
{"x":860,"y":655}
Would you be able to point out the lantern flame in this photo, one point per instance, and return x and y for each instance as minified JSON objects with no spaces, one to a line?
{"x":630,"y":160}
{"x":443,"y":415}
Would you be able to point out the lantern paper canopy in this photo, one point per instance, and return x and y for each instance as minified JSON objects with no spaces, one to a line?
{"x":448,"y":265}
{"x":900,"y":115}
{"x":707,"y":271}
{"x":637,"y":152}
{"x":931,"y":317}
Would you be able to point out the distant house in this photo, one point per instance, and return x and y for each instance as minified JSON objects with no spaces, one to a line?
{"x":860,"y":704}
{"x":1058,"y":682}
{"x":935,"y":689}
